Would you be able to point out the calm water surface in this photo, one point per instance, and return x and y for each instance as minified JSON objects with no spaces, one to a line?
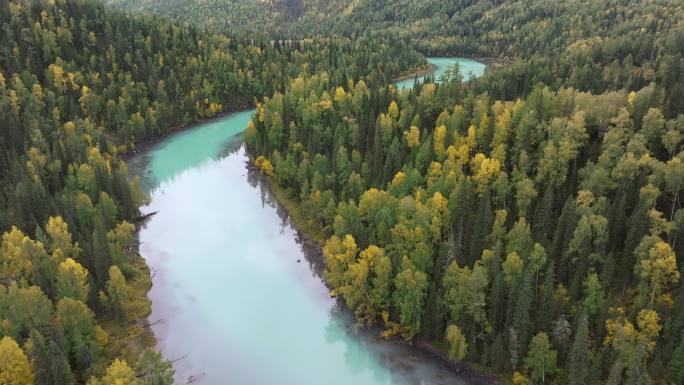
{"x":238,"y":290}
{"x":468,"y":68}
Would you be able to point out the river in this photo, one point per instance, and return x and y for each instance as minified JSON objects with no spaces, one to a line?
{"x":468,"y":68}
{"x":239,"y":291}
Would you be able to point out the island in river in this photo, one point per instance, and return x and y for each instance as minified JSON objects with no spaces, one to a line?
{"x":239,"y":292}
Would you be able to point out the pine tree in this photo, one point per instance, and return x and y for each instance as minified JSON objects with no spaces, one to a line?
{"x":49,"y":363}
{"x":117,"y":292}
{"x":677,"y":364}
{"x":637,"y":372}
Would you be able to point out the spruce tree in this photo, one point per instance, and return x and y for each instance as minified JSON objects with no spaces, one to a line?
{"x":50,"y":365}
{"x":578,"y":361}
{"x":677,"y":364}
{"x":637,"y":372}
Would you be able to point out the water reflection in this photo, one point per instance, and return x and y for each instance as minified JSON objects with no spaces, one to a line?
{"x":310,"y":249}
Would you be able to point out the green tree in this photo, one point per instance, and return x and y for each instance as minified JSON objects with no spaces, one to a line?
{"x":458,"y":347}
{"x":541,"y":358}
{"x":593,"y":295}
{"x":637,"y":371}
{"x":152,"y":369}
{"x":409,"y":296}
{"x":676,"y":374}
{"x":25,"y":309}
{"x":77,"y":324}
{"x":72,"y":280}
{"x":117,"y":292}
{"x":465,"y":292}
{"x":578,"y":361}
{"x":49,"y":363}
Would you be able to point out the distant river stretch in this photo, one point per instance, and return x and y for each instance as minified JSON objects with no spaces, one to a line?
{"x":240,"y":295}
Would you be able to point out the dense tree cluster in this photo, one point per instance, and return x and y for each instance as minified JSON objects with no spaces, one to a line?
{"x":245,"y":18}
{"x":536,"y":235}
{"x":79,"y":84}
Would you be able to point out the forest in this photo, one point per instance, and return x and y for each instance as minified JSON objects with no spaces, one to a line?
{"x":525,"y":222}
{"x":80,"y":85}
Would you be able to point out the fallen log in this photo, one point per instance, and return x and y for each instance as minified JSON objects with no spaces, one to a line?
{"x":157,"y":322}
{"x":143,"y":218}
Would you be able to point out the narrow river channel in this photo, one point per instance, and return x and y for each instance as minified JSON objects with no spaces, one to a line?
{"x":239,"y":291}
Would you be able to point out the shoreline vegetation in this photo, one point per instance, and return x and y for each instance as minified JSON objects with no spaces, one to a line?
{"x":146,"y":144}
{"x":139,"y":336}
{"x":429,"y":68}
{"x":132,"y":339}
{"x":311,"y":233}
{"x":422,"y":71}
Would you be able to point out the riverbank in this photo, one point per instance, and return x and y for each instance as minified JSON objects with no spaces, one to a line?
{"x":423,"y":71}
{"x":469,"y":66}
{"x":313,"y":238}
{"x":475,"y":375}
{"x":308,"y":232}
{"x":491,"y":62}
{"x":146,"y":144}
{"x":131,"y":339}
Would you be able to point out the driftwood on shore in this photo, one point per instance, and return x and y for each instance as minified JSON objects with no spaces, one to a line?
{"x":143,"y":218}
{"x":193,"y":378}
{"x":140,"y":375}
{"x":179,"y":358}
{"x":150,"y":324}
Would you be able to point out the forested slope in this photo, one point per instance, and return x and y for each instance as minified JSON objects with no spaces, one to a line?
{"x":247,"y":18}
{"x":80,"y":84}
{"x":586,"y":44}
{"x":529,"y":221}
{"x":538,"y":236}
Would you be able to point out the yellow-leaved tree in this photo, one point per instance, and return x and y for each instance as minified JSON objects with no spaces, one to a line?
{"x":15,"y":368}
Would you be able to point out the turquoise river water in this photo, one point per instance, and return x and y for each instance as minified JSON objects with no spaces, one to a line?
{"x":238,"y":290}
{"x":468,"y":68}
